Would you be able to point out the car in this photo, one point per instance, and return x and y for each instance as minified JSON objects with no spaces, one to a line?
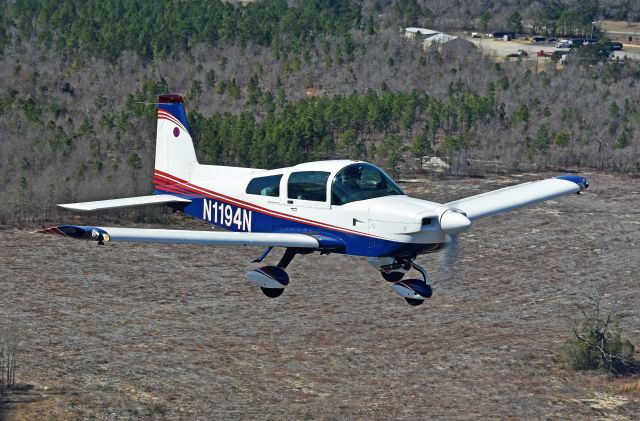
{"x":564,"y":43}
{"x":520,"y":53}
{"x":475,"y":35}
{"x":538,"y":39}
{"x":588,"y":41}
{"x":504,"y":35}
{"x":615,"y":45}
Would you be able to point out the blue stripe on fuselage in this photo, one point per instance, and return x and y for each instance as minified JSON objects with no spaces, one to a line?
{"x":236,"y":218}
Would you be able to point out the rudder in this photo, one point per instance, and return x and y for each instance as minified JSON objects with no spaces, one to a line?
{"x":175,"y":154}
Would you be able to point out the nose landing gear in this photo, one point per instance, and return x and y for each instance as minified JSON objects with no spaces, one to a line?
{"x":414,"y":291}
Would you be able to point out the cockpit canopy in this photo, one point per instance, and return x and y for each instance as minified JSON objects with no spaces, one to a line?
{"x":353,"y":182}
{"x":361,"y":181}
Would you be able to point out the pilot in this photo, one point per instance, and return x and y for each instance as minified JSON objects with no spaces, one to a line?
{"x":352,"y":177}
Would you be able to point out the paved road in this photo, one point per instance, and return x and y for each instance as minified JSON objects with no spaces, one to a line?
{"x":502,"y":48}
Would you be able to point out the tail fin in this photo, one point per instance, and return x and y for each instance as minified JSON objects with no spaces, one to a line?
{"x":175,"y":154}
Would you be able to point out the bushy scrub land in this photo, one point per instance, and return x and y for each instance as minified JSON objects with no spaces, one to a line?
{"x":276,"y":83}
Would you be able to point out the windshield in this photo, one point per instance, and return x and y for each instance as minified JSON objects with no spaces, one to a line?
{"x":360,"y":182}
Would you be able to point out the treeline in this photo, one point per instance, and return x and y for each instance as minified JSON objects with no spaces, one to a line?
{"x":158,"y":29}
{"x":556,"y":17}
{"x":559,"y":19}
{"x":391,"y":127}
{"x":353,"y":126}
{"x":274,"y":132}
{"x":155,"y":29}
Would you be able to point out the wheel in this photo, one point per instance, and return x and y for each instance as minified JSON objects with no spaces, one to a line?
{"x":392,"y":276}
{"x":272,"y":292}
{"x":413,"y":301}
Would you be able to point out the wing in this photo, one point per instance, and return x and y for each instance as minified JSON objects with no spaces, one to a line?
{"x":514,"y":197}
{"x":156,"y":199}
{"x":144,"y":235}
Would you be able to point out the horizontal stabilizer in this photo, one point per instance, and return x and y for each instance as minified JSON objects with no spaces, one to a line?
{"x":156,"y":199}
{"x":145,"y":235}
{"x":514,"y":197}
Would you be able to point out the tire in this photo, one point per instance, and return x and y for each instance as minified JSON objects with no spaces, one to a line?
{"x":392,"y":276}
{"x":413,"y":301}
{"x":272,"y":292}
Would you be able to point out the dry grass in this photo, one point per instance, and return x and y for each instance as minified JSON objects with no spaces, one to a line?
{"x":621,"y":30}
{"x":632,"y":387}
{"x":619,"y":26}
{"x":154,"y":331}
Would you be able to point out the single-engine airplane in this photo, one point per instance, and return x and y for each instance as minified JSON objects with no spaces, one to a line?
{"x":336,"y":206}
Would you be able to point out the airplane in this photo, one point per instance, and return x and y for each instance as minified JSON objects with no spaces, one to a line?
{"x":335,"y":206}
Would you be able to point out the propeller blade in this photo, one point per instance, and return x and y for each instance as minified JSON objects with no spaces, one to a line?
{"x":451,"y":261}
{"x":452,"y":253}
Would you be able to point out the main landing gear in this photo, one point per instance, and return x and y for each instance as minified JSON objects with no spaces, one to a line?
{"x":414,"y":291}
{"x":273,"y":279}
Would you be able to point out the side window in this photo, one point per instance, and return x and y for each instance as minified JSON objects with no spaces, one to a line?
{"x":265,"y":186}
{"x":308,"y":185}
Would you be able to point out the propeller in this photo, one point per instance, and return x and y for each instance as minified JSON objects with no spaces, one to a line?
{"x":453,"y":222}
{"x":452,"y":252}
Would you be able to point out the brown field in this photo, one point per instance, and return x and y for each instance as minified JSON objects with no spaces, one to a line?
{"x":165,"y":331}
{"x":621,"y":31}
{"x":619,"y":26}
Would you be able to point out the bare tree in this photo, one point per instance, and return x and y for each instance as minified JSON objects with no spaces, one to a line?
{"x":8,"y":351}
{"x":597,"y":342}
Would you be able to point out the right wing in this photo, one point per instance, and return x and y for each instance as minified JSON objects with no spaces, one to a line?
{"x":145,"y":235}
{"x":514,"y":197}
{"x":156,"y":199}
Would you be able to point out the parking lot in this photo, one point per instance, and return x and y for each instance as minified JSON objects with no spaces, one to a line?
{"x":502,"y":48}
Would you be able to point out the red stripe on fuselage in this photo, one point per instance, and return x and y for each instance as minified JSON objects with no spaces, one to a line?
{"x":175,"y":190}
{"x":168,"y":178}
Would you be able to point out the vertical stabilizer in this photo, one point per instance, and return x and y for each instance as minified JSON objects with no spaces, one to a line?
{"x":175,"y":154}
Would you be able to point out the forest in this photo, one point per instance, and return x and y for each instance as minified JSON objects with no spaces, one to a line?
{"x":268,"y":84}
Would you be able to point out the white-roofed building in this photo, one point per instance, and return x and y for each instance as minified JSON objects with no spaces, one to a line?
{"x":435,"y":39}
{"x":419,"y":33}
{"x":439,"y":38}
{"x":450,"y":43}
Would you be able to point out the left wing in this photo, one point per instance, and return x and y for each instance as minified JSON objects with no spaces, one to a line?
{"x":514,"y":197}
{"x":144,"y":235}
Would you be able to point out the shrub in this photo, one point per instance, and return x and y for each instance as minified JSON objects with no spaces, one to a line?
{"x":597,"y":343}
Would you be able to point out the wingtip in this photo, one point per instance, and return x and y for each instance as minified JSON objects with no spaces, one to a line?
{"x":581,"y":181}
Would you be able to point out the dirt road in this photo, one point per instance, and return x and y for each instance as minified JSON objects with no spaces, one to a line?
{"x":153,"y":331}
